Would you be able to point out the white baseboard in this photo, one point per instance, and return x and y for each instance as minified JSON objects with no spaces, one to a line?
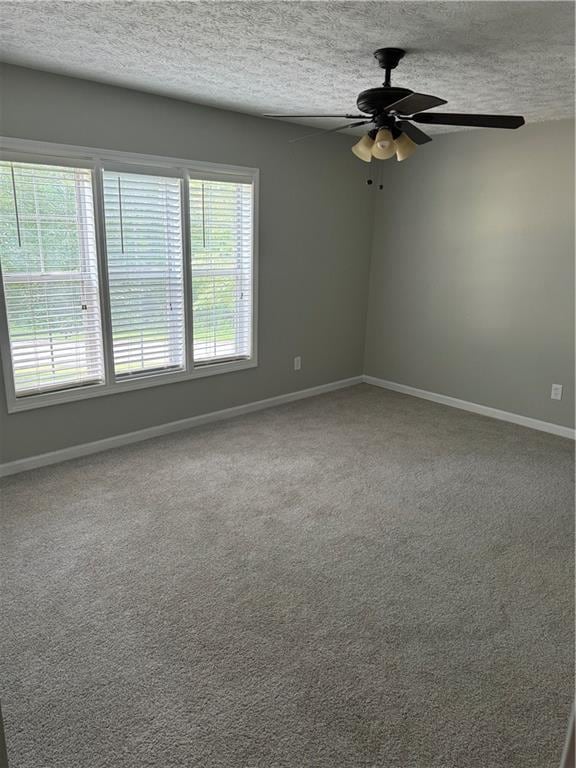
{"x":85,"y":449}
{"x":483,"y":410}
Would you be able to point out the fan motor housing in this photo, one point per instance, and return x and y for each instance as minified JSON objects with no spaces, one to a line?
{"x":377,"y":100}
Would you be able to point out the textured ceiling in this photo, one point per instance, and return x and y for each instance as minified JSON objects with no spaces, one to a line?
{"x":255,"y":57}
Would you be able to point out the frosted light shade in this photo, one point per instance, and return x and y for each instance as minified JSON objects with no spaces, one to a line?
{"x":363,"y":149}
{"x":383,"y":147}
{"x":404,"y":147}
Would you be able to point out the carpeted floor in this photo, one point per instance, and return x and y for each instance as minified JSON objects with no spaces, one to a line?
{"x":358,"y":580}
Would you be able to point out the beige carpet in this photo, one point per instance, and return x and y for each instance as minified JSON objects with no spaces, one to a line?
{"x":359,"y":580}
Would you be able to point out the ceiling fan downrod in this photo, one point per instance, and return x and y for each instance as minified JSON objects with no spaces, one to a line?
{"x":388,"y":59}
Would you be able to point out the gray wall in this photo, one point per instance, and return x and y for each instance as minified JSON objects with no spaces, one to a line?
{"x":471,"y":278}
{"x":315,"y":229}
{"x":472,"y":274}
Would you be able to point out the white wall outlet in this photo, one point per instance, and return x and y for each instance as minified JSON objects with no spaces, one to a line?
{"x":556,"y":393}
{"x":297,"y":363}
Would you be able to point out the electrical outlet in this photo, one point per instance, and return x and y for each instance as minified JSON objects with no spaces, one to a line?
{"x":297,"y":363}
{"x":556,"y":393}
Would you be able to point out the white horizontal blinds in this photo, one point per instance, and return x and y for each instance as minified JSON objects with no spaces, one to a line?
{"x":221,"y":266}
{"x":50,"y":276}
{"x":145,"y":272}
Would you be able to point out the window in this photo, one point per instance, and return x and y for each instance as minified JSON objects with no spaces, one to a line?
{"x":121,"y":271}
{"x":221,"y":246}
{"x":50,"y":276}
{"x":145,"y":272}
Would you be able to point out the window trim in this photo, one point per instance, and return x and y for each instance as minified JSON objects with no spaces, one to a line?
{"x":24,"y":150}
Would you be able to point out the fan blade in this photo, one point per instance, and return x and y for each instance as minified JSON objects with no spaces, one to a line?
{"x":415,"y":102}
{"x":349,"y":117}
{"x":475,"y":121}
{"x":330,"y":130}
{"x":413,"y":132}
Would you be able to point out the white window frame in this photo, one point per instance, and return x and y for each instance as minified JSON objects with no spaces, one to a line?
{"x":23,"y":150}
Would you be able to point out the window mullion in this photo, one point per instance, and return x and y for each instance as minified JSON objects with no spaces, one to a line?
{"x":187,"y":272}
{"x":106,"y":322}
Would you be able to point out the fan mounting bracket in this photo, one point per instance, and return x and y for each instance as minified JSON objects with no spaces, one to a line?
{"x":388,"y":58}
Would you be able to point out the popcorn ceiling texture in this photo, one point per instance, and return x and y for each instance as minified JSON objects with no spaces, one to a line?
{"x":509,"y":57}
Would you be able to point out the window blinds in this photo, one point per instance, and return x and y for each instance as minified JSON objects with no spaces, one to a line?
{"x":145,"y":272}
{"x":173,"y":251}
{"x":50,"y":276}
{"x":221,"y":266}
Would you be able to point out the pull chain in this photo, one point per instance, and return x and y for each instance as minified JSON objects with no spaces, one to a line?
{"x":369,"y":173}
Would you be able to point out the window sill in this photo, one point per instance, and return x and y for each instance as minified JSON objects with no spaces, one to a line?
{"x":144,"y":382}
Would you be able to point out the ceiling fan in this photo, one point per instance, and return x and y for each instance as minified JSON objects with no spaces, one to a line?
{"x":393,"y":112}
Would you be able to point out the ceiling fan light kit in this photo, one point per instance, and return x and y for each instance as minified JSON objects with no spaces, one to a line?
{"x":404,"y":147}
{"x":393,"y":111}
{"x":363,"y":148}
{"x":383,"y":147}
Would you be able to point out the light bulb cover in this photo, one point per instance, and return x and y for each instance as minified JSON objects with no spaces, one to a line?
{"x":383,"y":147}
{"x":404,"y":147}
{"x":363,"y":148}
